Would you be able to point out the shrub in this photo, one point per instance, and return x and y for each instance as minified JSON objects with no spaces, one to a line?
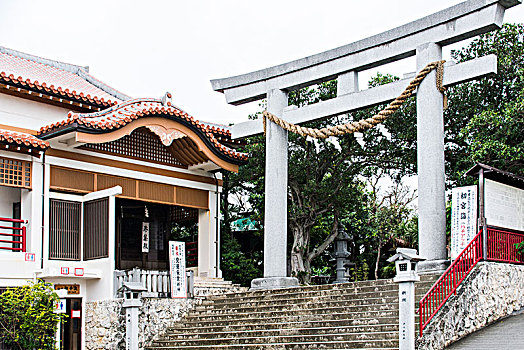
{"x":27,"y":317}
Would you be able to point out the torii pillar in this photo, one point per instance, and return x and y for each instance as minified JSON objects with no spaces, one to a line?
{"x":430,"y":165}
{"x":275,"y":219}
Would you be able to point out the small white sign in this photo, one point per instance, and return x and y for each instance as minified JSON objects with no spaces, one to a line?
{"x":463,"y":218}
{"x":61,"y":306}
{"x":145,"y":237}
{"x":177,"y":267}
{"x":75,"y":313}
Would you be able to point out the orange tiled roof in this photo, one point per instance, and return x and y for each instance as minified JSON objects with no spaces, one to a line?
{"x":55,"y":78}
{"x":120,"y":115}
{"x":22,"y":139}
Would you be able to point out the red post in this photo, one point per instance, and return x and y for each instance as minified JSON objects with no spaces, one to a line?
{"x":23,"y":239}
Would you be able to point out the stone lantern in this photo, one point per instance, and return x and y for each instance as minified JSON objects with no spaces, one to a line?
{"x":341,"y":254}
{"x":132,"y":292}
{"x":406,"y":261}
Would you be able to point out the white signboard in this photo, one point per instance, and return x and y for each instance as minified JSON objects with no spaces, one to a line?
{"x":145,"y":237}
{"x":504,"y":205}
{"x":177,"y":267}
{"x":463,"y":218}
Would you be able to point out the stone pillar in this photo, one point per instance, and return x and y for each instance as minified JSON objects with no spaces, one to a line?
{"x":132,"y":323}
{"x":275,"y":211}
{"x":406,"y":315}
{"x":406,"y":265}
{"x":430,"y":164}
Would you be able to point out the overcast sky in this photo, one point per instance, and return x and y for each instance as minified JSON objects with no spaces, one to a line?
{"x":144,"y":48}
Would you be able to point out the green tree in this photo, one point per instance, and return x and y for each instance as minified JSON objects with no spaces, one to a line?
{"x":391,"y":219}
{"x":27,"y":317}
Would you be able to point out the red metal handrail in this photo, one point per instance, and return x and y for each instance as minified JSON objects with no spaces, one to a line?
{"x":449,"y":281}
{"x":20,"y":232}
{"x":501,"y":246}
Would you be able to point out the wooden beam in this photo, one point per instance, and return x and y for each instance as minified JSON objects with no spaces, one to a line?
{"x":453,"y":74}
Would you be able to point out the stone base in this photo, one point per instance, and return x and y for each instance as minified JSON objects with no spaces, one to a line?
{"x":430,"y":267}
{"x":273,"y":283}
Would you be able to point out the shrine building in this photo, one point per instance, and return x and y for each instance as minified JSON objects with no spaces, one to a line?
{"x":84,"y":168}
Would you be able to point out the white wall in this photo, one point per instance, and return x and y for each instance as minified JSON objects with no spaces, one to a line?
{"x":8,"y":196}
{"x":208,"y":239}
{"x":22,"y":113}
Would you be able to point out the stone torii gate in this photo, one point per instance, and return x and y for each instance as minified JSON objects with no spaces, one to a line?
{"x":424,"y":38}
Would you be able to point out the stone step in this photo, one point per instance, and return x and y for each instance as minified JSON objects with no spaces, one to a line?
{"x":350,"y":300}
{"x":226,"y":325}
{"x":427,"y":279}
{"x":271,"y":317}
{"x":265,"y":331}
{"x":283,"y":300}
{"x":372,"y":345}
{"x":297,"y":308}
{"x":290,"y":293}
{"x":351,"y":339}
{"x":285,"y":303}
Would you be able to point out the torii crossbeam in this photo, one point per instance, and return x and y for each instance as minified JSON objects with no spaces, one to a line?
{"x":424,"y":38}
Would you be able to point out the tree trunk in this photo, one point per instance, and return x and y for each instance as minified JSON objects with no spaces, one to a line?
{"x":298,"y":253}
{"x":378,"y":258}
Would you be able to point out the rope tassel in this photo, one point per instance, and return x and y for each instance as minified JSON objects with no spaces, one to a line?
{"x":364,"y":124}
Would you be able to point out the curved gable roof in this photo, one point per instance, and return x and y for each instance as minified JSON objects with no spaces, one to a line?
{"x":136,"y":113}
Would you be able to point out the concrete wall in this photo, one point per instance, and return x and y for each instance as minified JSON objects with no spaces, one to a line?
{"x":491,"y":292}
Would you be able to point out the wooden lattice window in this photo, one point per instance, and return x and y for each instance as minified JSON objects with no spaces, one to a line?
{"x":140,"y":144}
{"x":15,"y":173}
{"x":181,"y":214}
{"x":64,"y":230}
{"x":96,"y":229}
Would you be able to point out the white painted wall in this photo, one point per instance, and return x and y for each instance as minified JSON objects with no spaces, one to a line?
{"x":8,"y":196}
{"x":22,"y":113}
{"x":208,"y":239}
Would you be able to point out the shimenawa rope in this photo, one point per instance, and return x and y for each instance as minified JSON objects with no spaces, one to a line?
{"x":368,"y":123}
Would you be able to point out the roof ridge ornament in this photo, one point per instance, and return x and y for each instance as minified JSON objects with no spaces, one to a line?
{"x":166,"y":99}
{"x":166,"y":136}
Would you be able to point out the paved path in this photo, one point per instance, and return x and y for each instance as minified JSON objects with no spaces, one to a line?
{"x":507,"y":334}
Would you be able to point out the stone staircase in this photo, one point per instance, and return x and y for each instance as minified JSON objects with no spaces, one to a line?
{"x":359,"y":315}
{"x":206,"y":286}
